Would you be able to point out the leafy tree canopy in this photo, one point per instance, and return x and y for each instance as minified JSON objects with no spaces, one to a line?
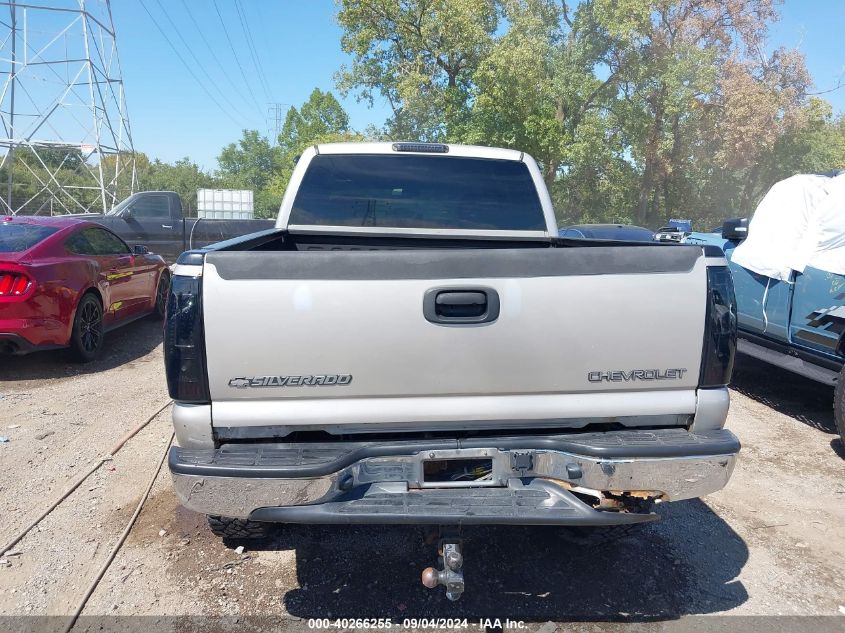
{"x":636,"y":110}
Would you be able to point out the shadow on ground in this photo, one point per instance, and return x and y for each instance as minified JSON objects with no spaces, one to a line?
{"x":121,"y":346}
{"x":800,"y":398}
{"x":685,"y":564}
{"x":838,"y":447}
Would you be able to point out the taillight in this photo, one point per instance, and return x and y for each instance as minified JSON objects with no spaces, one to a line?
{"x":184,"y":341}
{"x":719,"y":329}
{"x":13,"y":284}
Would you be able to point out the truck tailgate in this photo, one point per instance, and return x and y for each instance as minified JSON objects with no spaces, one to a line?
{"x":342,"y":340}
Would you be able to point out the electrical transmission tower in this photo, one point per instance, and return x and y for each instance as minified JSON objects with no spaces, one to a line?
{"x":65,"y":130}
{"x":276,"y":118}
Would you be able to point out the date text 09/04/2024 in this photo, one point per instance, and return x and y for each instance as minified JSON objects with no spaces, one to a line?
{"x":416,"y":623}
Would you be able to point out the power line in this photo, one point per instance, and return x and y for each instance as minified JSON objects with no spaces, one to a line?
{"x":208,"y":45}
{"x":199,"y":63}
{"x":185,"y":64}
{"x":261,"y":39}
{"x":237,"y":59}
{"x":251,"y":46}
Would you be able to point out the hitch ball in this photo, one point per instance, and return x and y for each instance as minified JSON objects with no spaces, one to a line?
{"x":430,"y":577}
{"x":451,"y":576}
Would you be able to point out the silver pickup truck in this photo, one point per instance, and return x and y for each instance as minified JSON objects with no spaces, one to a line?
{"x":413,"y":344}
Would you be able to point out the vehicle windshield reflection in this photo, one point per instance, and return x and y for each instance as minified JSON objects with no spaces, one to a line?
{"x":120,"y":206}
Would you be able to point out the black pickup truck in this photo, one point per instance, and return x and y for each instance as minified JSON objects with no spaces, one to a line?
{"x":155,"y":219}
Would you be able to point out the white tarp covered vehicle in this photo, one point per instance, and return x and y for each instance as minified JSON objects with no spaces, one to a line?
{"x":799,"y":223}
{"x":788,"y":268}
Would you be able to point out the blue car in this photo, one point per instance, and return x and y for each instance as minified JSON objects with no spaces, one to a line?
{"x":797,"y":323}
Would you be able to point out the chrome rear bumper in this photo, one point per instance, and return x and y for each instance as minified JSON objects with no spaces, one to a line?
{"x":593,"y":470}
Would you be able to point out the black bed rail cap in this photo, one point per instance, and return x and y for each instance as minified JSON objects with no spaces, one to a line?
{"x":191,"y":258}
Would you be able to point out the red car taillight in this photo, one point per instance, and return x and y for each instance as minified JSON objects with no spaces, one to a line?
{"x":13,"y":284}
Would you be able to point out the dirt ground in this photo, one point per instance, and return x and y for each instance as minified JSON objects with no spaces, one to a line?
{"x":771,"y":543}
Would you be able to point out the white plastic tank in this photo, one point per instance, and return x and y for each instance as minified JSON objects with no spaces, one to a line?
{"x":225,"y":204}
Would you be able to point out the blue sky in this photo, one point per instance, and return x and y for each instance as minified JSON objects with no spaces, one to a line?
{"x":298,"y":43}
{"x":172,"y":116}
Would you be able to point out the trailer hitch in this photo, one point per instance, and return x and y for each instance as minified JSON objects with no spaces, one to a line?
{"x":451,"y":560}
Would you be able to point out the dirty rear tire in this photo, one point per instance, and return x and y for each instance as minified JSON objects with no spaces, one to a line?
{"x":839,"y":405}
{"x":237,"y":529}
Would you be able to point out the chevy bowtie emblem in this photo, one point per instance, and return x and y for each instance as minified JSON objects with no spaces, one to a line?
{"x":321,"y":380}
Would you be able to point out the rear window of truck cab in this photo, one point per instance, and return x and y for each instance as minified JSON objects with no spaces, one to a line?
{"x":414,"y":191}
{"x":16,"y":237}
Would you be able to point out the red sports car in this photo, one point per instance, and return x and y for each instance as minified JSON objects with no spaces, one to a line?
{"x":64,"y":282}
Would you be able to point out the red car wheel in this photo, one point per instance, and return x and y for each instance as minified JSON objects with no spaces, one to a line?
{"x":86,"y":338}
{"x":160,"y":309}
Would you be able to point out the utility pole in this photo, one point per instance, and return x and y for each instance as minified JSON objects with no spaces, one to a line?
{"x":10,"y":157}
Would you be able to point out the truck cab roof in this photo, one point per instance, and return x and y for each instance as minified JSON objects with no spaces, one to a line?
{"x":417,"y":189}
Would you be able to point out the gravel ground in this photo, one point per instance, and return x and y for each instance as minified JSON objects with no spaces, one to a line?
{"x":771,"y":543}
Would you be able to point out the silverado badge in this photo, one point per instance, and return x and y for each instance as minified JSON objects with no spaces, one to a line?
{"x":322,"y":380}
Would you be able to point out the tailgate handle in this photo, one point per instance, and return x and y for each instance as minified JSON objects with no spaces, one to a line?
{"x":456,"y":306}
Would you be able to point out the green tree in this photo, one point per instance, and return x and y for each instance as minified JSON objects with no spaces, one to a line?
{"x":699,"y":101}
{"x":321,"y":119}
{"x":70,"y":158}
{"x":512,"y":73}
{"x":815,"y":145}
{"x":51,"y":180}
{"x":183,"y":176}
{"x":539,"y":90}
{"x":635,"y":109}
{"x":420,"y":55}
{"x":251,"y":164}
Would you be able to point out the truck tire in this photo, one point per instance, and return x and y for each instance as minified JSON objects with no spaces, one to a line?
{"x":839,"y":405}
{"x":86,"y":336}
{"x":237,"y":529}
{"x":162,"y":290}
